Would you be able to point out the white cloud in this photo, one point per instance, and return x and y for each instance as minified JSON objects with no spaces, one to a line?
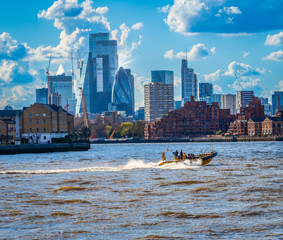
{"x":234,"y":68}
{"x":274,"y":40}
{"x":137,"y":26}
{"x":197,"y":52}
{"x":279,"y":86}
{"x":164,"y":9}
{"x":251,"y":84}
{"x":230,"y":10}
{"x":124,"y":50}
{"x":217,"y":88}
{"x":275,"y":56}
{"x":140,"y":81}
{"x":7,"y":69}
{"x":245,"y":54}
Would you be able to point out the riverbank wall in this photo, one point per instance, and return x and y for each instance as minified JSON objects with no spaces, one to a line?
{"x":43,"y":148}
{"x":194,"y":139}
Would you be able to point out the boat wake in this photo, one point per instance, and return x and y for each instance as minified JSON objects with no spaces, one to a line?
{"x":130,"y":165}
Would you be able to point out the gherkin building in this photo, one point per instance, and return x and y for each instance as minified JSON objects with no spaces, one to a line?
{"x":122,"y":96}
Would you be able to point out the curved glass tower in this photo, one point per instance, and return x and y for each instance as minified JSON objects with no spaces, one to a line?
{"x":122,"y":96}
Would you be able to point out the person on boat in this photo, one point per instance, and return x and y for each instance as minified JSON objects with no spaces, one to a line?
{"x":181,"y":154}
{"x":175,"y":153}
{"x":184,"y":156}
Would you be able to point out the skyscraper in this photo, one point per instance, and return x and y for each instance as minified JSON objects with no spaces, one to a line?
{"x":188,"y":81}
{"x":42,"y":95}
{"x":61,"y":85}
{"x":275,"y":100}
{"x":122,"y":97}
{"x":96,"y":73}
{"x":228,"y":101}
{"x":205,"y":91}
{"x":243,"y":98}
{"x":164,"y":76}
{"x":158,"y":100}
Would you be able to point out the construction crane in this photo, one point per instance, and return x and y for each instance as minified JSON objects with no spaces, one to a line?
{"x":111,"y":136}
{"x":66,"y":106}
{"x":48,"y":73}
{"x":237,"y":80}
{"x":85,"y":118}
{"x":264,"y":92}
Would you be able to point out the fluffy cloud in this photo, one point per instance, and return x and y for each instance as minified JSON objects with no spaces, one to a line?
{"x":245,"y":54}
{"x":140,"y":81}
{"x":275,"y":56}
{"x":218,"y":16}
{"x":279,"y":86}
{"x":234,"y":69}
{"x":248,"y":84}
{"x":124,"y":50}
{"x":275,"y":40}
{"x":197,"y":52}
{"x":137,"y":26}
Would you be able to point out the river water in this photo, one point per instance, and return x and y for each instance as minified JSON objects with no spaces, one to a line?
{"x":119,"y":192}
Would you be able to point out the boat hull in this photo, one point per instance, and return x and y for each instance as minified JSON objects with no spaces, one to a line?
{"x":206,"y":159}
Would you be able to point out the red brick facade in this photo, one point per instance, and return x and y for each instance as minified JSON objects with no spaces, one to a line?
{"x":195,"y":118}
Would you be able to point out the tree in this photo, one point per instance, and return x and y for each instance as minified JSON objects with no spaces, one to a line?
{"x":138,"y":128}
{"x":125,"y":129}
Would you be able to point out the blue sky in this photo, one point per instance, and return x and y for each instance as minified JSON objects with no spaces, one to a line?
{"x":222,"y":38}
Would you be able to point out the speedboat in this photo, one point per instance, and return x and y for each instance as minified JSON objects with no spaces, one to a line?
{"x":205,"y":158}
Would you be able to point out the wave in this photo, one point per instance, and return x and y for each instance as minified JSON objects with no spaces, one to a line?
{"x":130,"y":165}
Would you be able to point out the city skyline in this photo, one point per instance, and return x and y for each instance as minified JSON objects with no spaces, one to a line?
{"x":150,"y":36}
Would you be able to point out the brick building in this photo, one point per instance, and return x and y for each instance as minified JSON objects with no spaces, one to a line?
{"x":254,"y":110}
{"x":195,"y":118}
{"x":7,"y":131}
{"x":255,"y":126}
{"x":42,"y":122}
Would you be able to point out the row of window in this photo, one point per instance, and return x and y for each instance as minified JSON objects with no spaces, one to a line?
{"x":37,"y":121}
{"x":37,"y":115}
{"x":37,"y":130}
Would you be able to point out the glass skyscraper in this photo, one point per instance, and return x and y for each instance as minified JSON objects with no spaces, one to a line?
{"x":96,"y":73}
{"x":205,"y":91}
{"x":166,"y":77}
{"x":122,"y":97}
{"x":189,"y":82}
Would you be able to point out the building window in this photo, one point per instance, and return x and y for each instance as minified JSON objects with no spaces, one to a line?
{"x":30,"y":130}
{"x":30,"y":121}
{"x":37,"y":130}
{"x":44,"y":121}
{"x":37,"y":122}
{"x":30,"y":114}
{"x":44,"y":129}
{"x":44,"y":114}
{"x":44,"y":137}
{"x":36,"y":114}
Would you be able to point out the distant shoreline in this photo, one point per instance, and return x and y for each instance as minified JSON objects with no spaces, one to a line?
{"x":195,"y":139}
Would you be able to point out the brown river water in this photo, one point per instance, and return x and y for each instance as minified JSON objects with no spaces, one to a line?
{"x":120,"y":192}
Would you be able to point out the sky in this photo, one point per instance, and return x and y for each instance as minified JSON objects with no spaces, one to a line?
{"x":234,"y":44}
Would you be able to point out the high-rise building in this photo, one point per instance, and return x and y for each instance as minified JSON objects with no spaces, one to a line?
{"x":205,"y":91}
{"x":164,"y":76}
{"x":158,"y":100}
{"x":188,"y":81}
{"x":96,"y":73}
{"x":275,"y":100}
{"x":228,"y":101}
{"x":62,"y":85}
{"x":243,"y":98}
{"x":55,"y":98}
{"x":42,"y":95}
{"x":122,"y":98}
{"x":267,"y":106}
{"x":132,"y":84}
{"x":215,"y":98}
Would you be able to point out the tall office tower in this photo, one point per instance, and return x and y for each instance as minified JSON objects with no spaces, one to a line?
{"x":42,"y":95}
{"x":164,"y":76}
{"x":189,"y":82}
{"x":55,"y":98}
{"x":205,"y":91}
{"x":243,"y":98}
{"x":132,"y":84}
{"x":215,"y":98}
{"x":122,"y":98}
{"x":267,"y":106}
{"x":158,"y":100}
{"x":61,"y":84}
{"x":96,"y":73}
{"x":228,"y":101}
{"x":275,"y":101}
